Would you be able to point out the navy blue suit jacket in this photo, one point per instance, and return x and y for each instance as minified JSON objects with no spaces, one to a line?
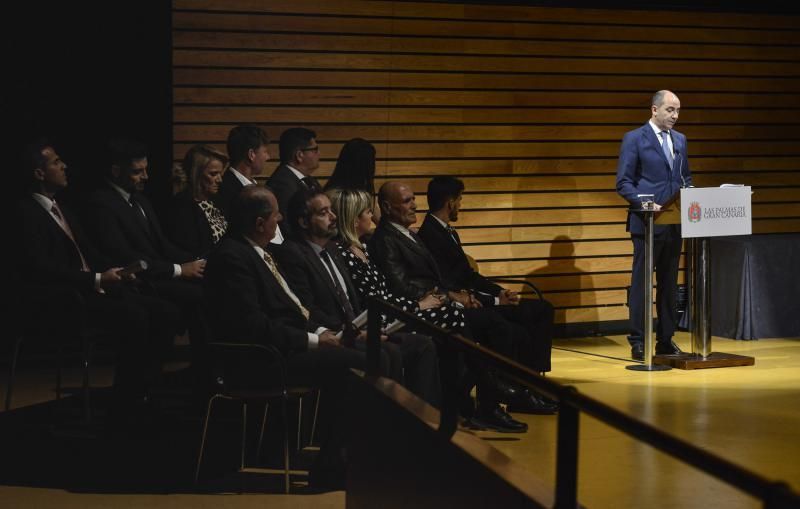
{"x":643,"y":169}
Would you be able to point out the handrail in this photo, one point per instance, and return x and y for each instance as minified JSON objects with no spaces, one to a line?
{"x":773,"y":494}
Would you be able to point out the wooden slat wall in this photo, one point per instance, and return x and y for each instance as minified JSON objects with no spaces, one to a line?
{"x":526,"y":104}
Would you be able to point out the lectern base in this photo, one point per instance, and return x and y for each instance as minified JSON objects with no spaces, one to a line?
{"x":645,"y":367}
{"x":694,"y":361}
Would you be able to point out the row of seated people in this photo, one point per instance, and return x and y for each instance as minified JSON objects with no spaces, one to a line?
{"x":294,"y":293}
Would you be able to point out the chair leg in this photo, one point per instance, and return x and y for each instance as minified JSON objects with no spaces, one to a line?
{"x":262,"y":431}
{"x":203,"y":438}
{"x":314,"y":420}
{"x":244,"y":431}
{"x":299,"y":421}
{"x":286,"y":467}
{"x":87,"y":354}
{"x":59,"y":373}
{"x":12,"y":371}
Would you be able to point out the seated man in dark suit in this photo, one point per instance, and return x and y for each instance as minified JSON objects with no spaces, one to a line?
{"x":73,"y":285}
{"x":319,"y":277}
{"x":125,"y":227}
{"x":299,"y":153}
{"x":253,"y":303}
{"x":533,"y":319}
{"x":248,"y":153}
{"x":411,"y":271}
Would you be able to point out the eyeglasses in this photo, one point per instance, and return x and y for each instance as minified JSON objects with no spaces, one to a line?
{"x":315,"y":148}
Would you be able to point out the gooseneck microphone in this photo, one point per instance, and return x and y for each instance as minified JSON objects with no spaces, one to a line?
{"x":680,"y":168}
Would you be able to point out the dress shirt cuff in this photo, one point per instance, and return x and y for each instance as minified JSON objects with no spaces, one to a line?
{"x":176,"y":270}
{"x":497,"y":301}
{"x":97,"y":279}
{"x":313,"y":341}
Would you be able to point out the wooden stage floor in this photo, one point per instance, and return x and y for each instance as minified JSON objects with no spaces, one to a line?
{"x":749,"y":415}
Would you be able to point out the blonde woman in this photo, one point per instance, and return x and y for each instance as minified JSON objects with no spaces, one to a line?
{"x":353,"y":209}
{"x":194,"y":223}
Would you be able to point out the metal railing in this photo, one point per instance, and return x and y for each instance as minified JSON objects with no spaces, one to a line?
{"x":774,"y":495}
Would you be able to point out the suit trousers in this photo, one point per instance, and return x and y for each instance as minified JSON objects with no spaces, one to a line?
{"x":666,"y":256}
{"x":491,"y":330}
{"x":420,"y":365}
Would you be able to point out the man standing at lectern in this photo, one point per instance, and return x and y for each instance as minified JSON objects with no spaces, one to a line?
{"x":653,"y":160}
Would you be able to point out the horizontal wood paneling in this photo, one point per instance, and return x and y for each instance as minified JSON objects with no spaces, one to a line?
{"x":526,"y":104}
{"x":304,"y":78}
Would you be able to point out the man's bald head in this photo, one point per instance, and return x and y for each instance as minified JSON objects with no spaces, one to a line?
{"x":397,"y":203}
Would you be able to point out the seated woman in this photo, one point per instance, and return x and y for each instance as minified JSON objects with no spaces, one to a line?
{"x":194,"y":223}
{"x":353,"y":209}
{"x":355,"y":170}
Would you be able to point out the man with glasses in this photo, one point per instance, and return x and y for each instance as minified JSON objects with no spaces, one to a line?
{"x":299,"y":154}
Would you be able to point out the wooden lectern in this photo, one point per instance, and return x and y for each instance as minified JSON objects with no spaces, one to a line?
{"x":689,"y":215}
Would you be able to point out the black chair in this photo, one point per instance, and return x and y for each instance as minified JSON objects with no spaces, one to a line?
{"x":85,"y":339}
{"x":246,"y":373}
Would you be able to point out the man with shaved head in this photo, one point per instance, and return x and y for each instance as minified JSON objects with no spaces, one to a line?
{"x":653,"y":160}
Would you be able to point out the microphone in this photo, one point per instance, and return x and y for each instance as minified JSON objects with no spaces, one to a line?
{"x":680,"y":169}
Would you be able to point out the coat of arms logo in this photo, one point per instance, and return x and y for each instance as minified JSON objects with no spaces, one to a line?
{"x":695,"y":213}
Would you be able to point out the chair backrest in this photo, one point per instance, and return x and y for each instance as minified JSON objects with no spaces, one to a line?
{"x":245,"y":366}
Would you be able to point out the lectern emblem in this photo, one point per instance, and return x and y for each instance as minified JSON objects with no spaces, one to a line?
{"x":695,"y":214}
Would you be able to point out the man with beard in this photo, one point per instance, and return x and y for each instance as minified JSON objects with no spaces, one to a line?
{"x":531,"y":319}
{"x":126,"y":228}
{"x":319,"y":277}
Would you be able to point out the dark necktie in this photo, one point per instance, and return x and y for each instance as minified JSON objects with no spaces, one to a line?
{"x":665,"y":147}
{"x":454,"y":234}
{"x":341,"y":295}
{"x":311,"y":183}
{"x":139,"y":212}
{"x":62,"y":222}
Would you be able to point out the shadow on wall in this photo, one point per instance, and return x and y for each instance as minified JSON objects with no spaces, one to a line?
{"x":563,"y":283}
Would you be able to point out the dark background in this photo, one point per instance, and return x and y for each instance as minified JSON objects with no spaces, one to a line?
{"x":81,"y":73}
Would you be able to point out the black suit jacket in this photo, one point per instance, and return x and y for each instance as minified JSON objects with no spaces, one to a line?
{"x":48,"y":256}
{"x":450,"y":256}
{"x":120,"y":234}
{"x":228,"y":190}
{"x":409,"y":267}
{"x":248,"y":303}
{"x":284,"y":184}
{"x":187,"y":226}
{"x":310,"y":280}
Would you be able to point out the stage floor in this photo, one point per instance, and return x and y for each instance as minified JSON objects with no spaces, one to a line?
{"x":749,"y":415}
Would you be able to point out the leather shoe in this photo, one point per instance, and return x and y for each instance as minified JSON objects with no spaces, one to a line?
{"x":506,"y":391}
{"x":667,"y":348}
{"x":499,"y":420}
{"x":530,"y":403}
{"x":637,"y":352}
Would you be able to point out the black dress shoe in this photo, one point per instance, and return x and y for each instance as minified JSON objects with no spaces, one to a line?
{"x":506,"y":391}
{"x":473,"y":424}
{"x":530,"y":403}
{"x":637,"y":351}
{"x":667,"y":348}
{"x":499,"y":420}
